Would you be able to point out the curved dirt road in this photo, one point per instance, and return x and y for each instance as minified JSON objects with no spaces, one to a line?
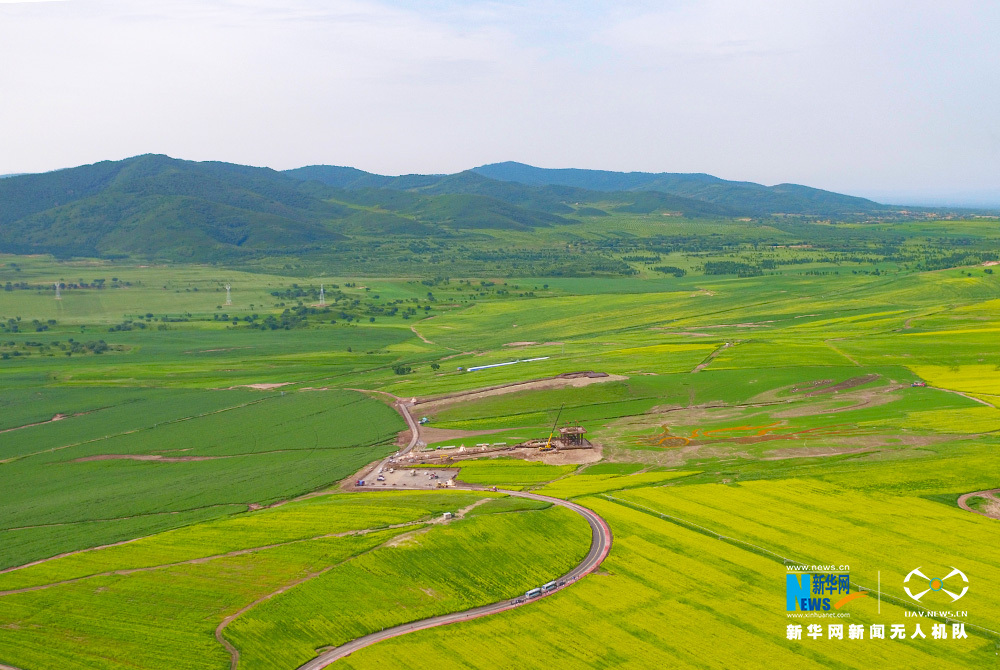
{"x":989,"y":494}
{"x":600,"y":545}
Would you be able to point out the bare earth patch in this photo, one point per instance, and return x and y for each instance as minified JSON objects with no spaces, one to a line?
{"x":145,"y":457}
{"x":992,"y":508}
{"x":432,"y":435}
{"x":809,"y":452}
{"x":844,"y":385}
{"x":259,"y":387}
{"x":57,"y":417}
{"x":570,"y":380}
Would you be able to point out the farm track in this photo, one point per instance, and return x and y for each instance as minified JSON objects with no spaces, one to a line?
{"x":116,"y":518}
{"x":234,"y":653}
{"x":964,"y":395}
{"x":989,"y":494}
{"x":422,"y":338}
{"x":842,"y":353}
{"x":600,"y":546}
{"x":711,"y":357}
{"x":206,"y":559}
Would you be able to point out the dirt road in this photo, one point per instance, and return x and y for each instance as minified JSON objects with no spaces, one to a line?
{"x":600,"y":545}
{"x":990,"y":494}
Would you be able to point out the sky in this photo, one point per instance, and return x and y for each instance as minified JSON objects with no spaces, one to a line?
{"x":896,"y":100}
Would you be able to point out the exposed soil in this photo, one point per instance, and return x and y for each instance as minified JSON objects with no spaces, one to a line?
{"x":810,"y":386}
{"x":846,"y":384}
{"x":422,"y":338}
{"x":871,"y":398}
{"x":809,"y":452}
{"x":432,"y":435}
{"x":558,"y":457}
{"x":259,"y":387}
{"x":146,"y":457}
{"x":567,"y":380}
{"x":570,"y":456}
{"x":992,"y":509}
{"x":57,"y":417}
{"x":519,"y":344}
{"x":704,"y":364}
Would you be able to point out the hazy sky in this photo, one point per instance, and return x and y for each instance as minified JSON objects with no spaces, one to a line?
{"x":894,"y":99}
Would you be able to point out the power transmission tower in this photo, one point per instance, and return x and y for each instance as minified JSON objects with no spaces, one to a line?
{"x":229,"y":299}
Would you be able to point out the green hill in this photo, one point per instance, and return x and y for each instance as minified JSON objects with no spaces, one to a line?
{"x":163,"y":208}
{"x":160,"y":207}
{"x":747,"y":197}
{"x":549,"y":198}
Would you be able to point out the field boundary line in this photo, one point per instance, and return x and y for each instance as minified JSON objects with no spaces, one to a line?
{"x":767,"y":553}
{"x":234,"y":653}
{"x":108,"y":520}
{"x":205,"y":559}
{"x":965,"y":395}
{"x":60,"y":417}
{"x":137,"y":430}
{"x":838,"y":351}
{"x":711,"y":357}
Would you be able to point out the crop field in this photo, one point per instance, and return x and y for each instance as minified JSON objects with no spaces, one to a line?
{"x":588,"y":484}
{"x":202,"y":574}
{"x":670,"y":597}
{"x":108,"y":474}
{"x":829,"y":409}
{"x":441,"y":571}
{"x":510,"y":472}
{"x":868,"y":531}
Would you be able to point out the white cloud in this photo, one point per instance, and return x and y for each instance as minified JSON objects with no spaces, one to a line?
{"x":842,"y":94}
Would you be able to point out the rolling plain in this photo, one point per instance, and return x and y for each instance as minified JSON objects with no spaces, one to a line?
{"x":177,"y":474}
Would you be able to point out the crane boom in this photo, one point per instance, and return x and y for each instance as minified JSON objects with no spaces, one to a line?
{"x":548,"y":443}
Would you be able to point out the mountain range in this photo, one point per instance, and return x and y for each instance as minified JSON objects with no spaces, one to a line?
{"x":160,"y":207}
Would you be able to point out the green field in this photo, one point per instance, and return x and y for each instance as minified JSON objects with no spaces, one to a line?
{"x":303,"y":555}
{"x":829,"y":410}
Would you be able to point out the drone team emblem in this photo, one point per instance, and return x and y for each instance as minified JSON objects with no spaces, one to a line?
{"x":936,"y":584}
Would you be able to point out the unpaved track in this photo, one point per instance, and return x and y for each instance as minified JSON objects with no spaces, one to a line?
{"x":989,"y":494}
{"x":711,"y":357}
{"x":600,"y":545}
{"x":213,"y":557}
